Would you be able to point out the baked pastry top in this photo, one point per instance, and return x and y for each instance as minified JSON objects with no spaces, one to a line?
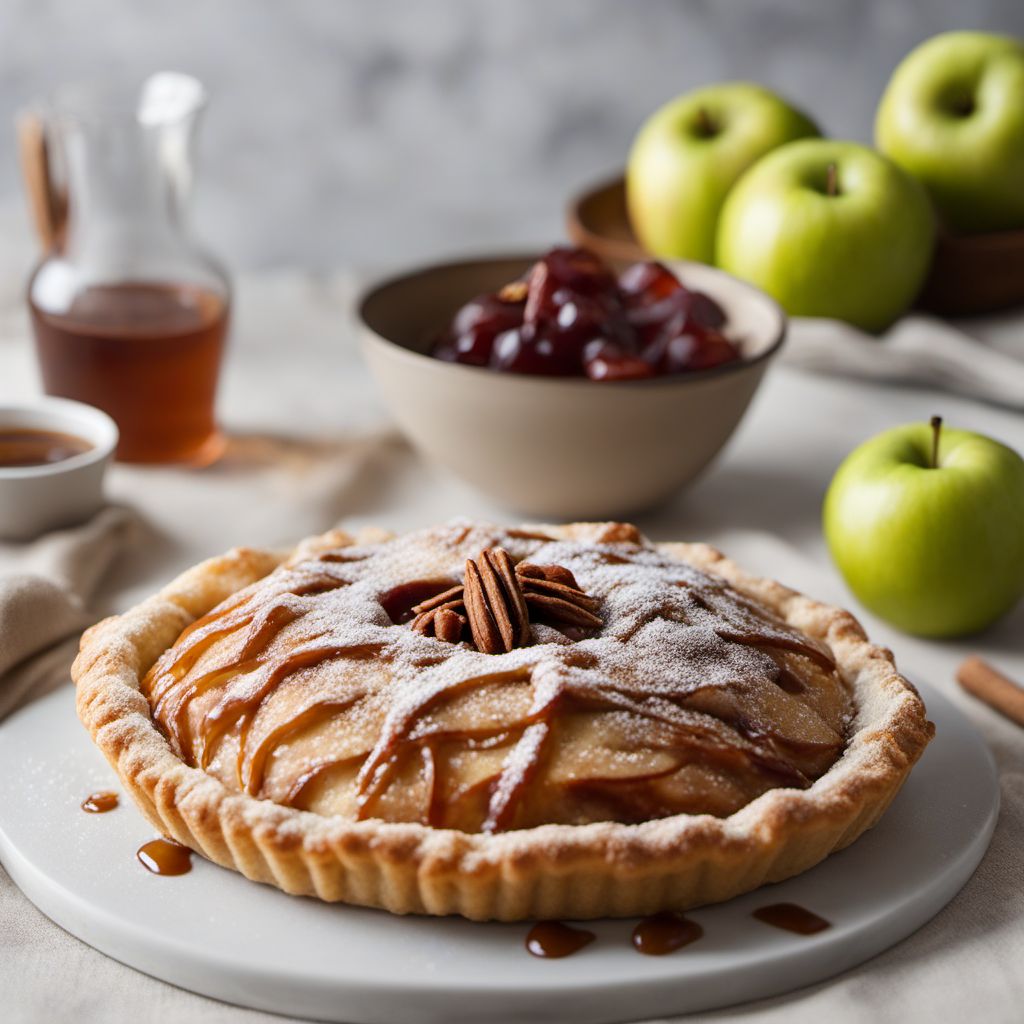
{"x":311,"y":688}
{"x":542,"y":722}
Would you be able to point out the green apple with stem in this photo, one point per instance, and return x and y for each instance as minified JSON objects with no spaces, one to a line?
{"x":829,"y":229}
{"x":953,"y":116}
{"x":926,"y":525}
{"x":688,"y":155}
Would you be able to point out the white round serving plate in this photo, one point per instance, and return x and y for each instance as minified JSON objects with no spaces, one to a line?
{"x":216,"y":933}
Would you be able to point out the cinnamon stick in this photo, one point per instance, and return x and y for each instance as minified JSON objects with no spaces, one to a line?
{"x":986,"y":683}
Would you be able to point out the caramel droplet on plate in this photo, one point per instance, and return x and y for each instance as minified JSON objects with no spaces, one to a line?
{"x":551,"y":940}
{"x":665,"y":933}
{"x":791,"y":917}
{"x":99,"y":803}
{"x":164,"y":857}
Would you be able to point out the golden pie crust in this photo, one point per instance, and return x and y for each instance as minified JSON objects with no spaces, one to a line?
{"x":527,"y":868}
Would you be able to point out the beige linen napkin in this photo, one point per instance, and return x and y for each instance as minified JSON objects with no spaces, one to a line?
{"x":982,"y":358}
{"x":45,"y":589}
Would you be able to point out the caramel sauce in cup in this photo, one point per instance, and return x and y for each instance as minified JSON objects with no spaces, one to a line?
{"x":53,"y":454}
{"x":22,"y":447}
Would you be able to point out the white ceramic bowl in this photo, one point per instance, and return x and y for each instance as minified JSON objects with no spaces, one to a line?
{"x":560,"y":447}
{"x":34,"y":499}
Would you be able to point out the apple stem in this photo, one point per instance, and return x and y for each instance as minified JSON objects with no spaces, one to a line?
{"x":831,"y":180}
{"x":936,"y":423}
{"x":704,"y":123}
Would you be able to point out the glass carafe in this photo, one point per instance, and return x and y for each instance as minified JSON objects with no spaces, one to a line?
{"x":129,"y":313}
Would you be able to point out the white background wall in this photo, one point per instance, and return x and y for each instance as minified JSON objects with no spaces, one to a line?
{"x":384,"y":131}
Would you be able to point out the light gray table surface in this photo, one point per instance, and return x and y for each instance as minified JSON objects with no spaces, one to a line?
{"x":311,"y":446}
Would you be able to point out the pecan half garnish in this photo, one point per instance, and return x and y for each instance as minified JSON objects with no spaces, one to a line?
{"x":554,"y":595}
{"x":442,"y":616}
{"x":498,"y":618}
{"x":498,"y":599}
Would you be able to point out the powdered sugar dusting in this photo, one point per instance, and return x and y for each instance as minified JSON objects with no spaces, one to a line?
{"x":679,"y":648}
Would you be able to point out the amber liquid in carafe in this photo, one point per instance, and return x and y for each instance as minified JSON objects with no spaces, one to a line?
{"x":149,"y":356}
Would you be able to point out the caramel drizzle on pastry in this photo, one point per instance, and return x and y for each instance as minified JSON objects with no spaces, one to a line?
{"x":265,"y":612}
{"x":252,"y":766}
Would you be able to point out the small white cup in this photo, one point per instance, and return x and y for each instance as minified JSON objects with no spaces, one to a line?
{"x":34,"y":499}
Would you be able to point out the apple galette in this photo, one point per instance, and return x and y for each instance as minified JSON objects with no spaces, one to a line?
{"x":501,"y":723}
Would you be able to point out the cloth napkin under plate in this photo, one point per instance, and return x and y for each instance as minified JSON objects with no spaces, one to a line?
{"x":45,"y":590}
{"x":981,"y":358}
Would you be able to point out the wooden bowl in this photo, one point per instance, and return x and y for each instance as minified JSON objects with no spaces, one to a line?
{"x":975,"y":274}
{"x":970,"y":273}
{"x":597,"y":220}
{"x":559,"y":447}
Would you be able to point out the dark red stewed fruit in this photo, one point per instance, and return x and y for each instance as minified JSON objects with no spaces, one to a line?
{"x":660,"y":307}
{"x":662,"y":319}
{"x":698,"y":348}
{"x":570,"y":316}
{"x":574,"y":293}
{"x":705,"y":311}
{"x":580,"y":271}
{"x":571,"y":299}
{"x":526,"y":350}
{"x":645,"y":283}
{"x":470,"y":338}
{"x":538,"y":350}
{"x":713,"y":349}
{"x":604,"y":360}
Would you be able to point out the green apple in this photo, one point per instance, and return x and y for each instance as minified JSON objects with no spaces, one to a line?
{"x":927,"y":526}
{"x":829,"y":229}
{"x":953,"y":116}
{"x":688,"y":155}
